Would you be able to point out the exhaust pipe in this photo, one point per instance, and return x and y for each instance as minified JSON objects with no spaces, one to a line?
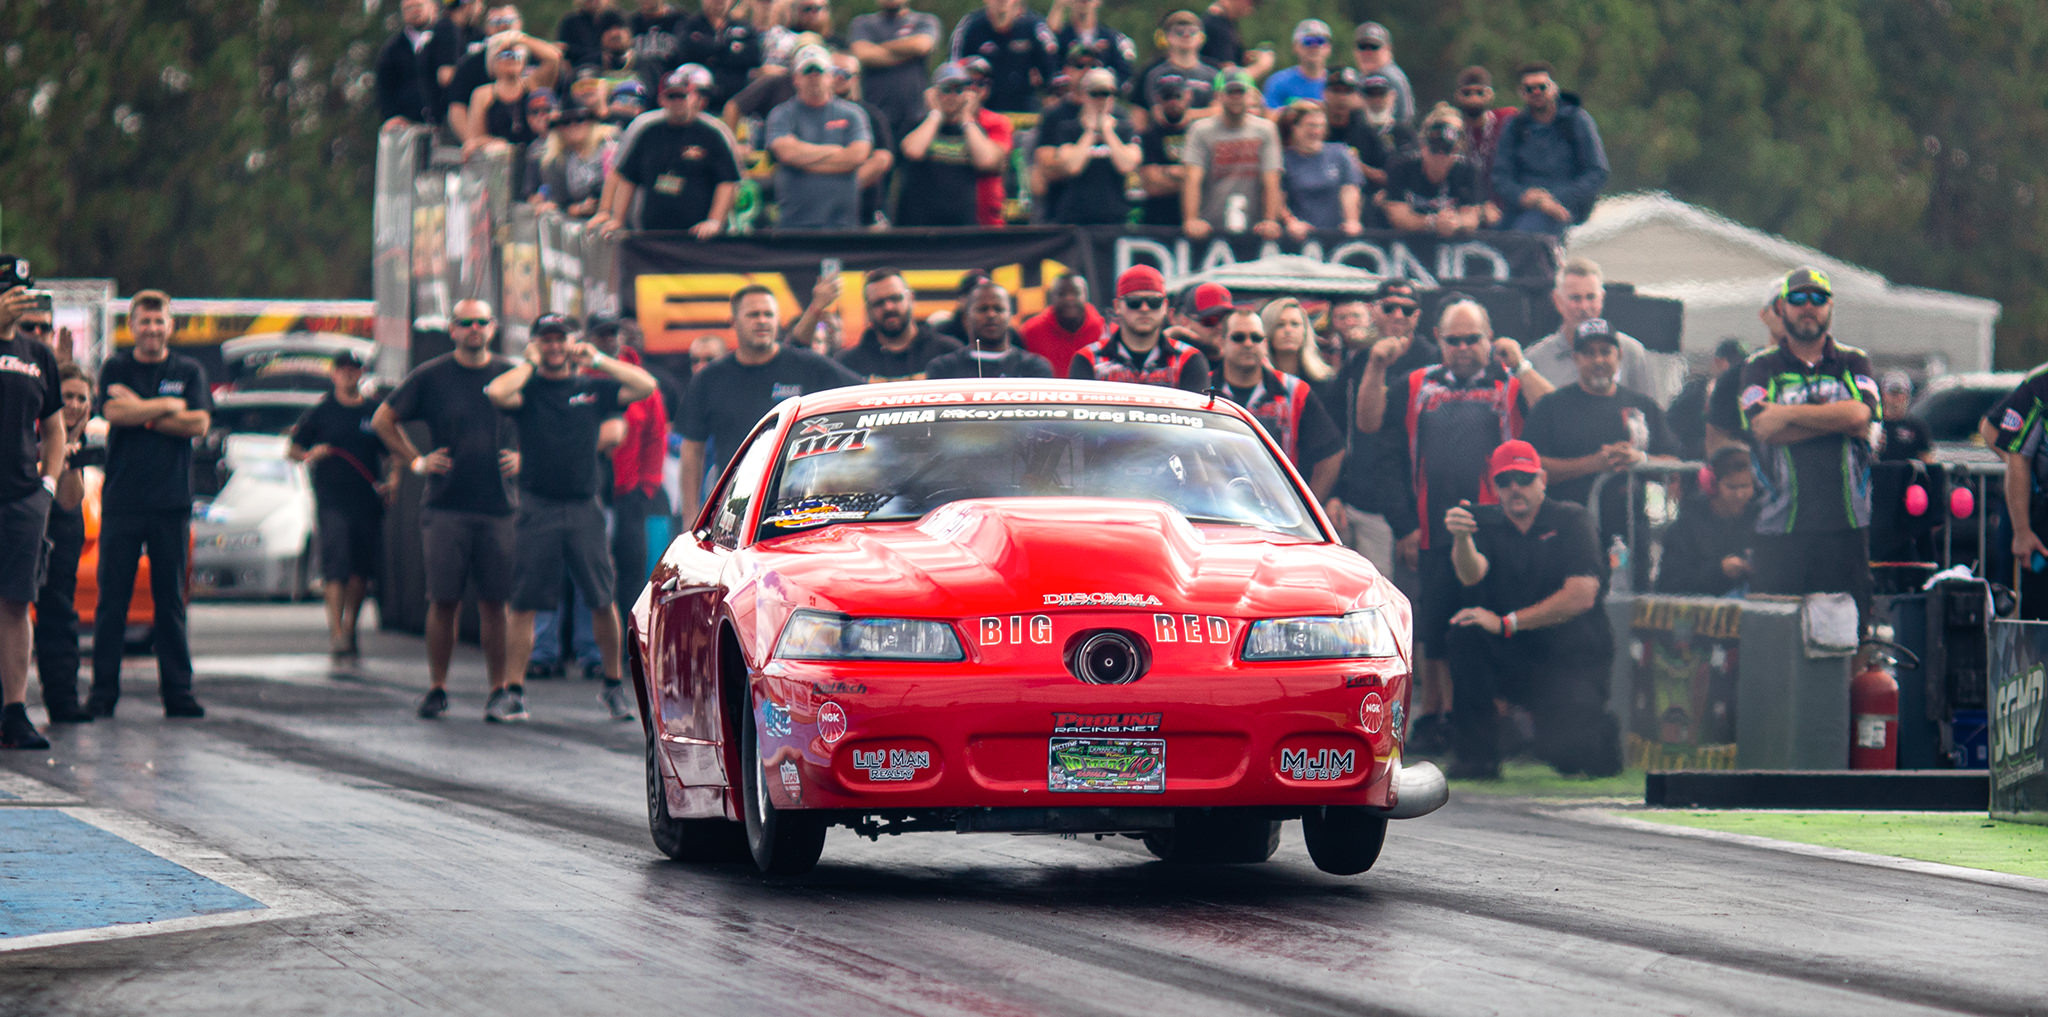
{"x":1419,"y":789}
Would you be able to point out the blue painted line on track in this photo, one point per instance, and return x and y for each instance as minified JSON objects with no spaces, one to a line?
{"x":9,"y":797}
{"x":59,"y":874}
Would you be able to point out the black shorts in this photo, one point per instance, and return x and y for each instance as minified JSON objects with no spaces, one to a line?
{"x":24,"y":545}
{"x":461,"y":546}
{"x":351,"y":542}
{"x":555,"y":536}
{"x":1438,"y":597}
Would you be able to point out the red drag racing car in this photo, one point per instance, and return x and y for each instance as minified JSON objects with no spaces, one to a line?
{"x":1064,"y":607}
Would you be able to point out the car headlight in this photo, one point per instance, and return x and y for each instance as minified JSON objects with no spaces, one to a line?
{"x":1357,"y":634}
{"x":821,"y":635}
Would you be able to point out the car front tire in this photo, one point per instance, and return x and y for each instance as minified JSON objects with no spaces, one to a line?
{"x":688,"y":840}
{"x":783,"y":843}
{"x":1344,"y":840}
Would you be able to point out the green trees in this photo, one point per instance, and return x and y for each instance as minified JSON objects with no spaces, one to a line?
{"x":226,"y":148}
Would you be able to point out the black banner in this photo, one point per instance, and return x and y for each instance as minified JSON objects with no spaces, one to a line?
{"x":2019,"y":754}
{"x":678,"y":285}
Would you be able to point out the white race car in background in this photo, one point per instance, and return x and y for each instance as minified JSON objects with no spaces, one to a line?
{"x":255,"y":538}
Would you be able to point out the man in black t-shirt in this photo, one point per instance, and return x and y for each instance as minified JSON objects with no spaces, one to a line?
{"x":337,"y":440}
{"x":31,"y":458}
{"x":998,"y":351}
{"x":729,"y":396}
{"x":1436,"y":191}
{"x":1088,"y":156}
{"x":559,"y":409}
{"x":728,"y":47}
{"x":155,"y":402}
{"x":1536,"y":634}
{"x":895,"y":346}
{"x":679,"y":162}
{"x":1597,"y":427}
{"x":1160,"y":173}
{"x":945,"y":155}
{"x":466,"y":513}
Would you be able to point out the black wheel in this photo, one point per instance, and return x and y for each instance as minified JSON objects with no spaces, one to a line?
{"x":1212,"y":838}
{"x":688,"y":840}
{"x":782,"y":843}
{"x":1344,"y":840}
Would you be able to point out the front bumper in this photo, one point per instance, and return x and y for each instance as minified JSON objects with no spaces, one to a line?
{"x":256,"y":573}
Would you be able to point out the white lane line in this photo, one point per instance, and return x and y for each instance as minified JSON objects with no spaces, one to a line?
{"x":1913,"y":865}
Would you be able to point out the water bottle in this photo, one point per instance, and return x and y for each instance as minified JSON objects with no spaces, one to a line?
{"x":1617,"y":566}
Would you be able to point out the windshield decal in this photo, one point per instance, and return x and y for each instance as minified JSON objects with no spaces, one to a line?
{"x":828,"y":509}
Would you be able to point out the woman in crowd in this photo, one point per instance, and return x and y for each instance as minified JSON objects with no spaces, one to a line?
{"x":1291,"y":347}
{"x":574,"y":160}
{"x":498,"y":110}
{"x":1707,"y":551}
{"x":1321,"y":180}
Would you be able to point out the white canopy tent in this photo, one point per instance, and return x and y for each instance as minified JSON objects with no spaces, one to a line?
{"x":1723,"y":271}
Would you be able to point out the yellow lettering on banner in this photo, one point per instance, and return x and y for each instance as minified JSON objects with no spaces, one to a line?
{"x":674,"y":309}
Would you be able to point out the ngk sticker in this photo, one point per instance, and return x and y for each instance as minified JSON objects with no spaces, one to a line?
{"x":1372,"y":713}
{"x":831,"y":722}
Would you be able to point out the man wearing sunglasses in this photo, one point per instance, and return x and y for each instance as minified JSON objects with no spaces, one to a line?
{"x":1808,"y":406}
{"x":1378,"y":505}
{"x":1089,"y":155}
{"x":820,"y":142}
{"x":32,"y":457}
{"x":1536,"y":636}
{"x":1373,"y":53}
{"x":1305,"y":79}
{"x":1550,"y":165}
{"x":682,"y":166}
{"x":1138,"y":350}
{"x":1283,"y":404}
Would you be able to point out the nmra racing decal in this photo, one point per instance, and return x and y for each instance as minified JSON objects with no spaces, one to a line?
{"x":1106,"y":764}
{"x":1106,"y":723}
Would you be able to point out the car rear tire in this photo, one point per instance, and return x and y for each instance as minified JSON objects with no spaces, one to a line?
{"x":688,"y":840}
{"x":1215,"y":838}
{"x":1344,"y":840}
{"x":783,"y":842}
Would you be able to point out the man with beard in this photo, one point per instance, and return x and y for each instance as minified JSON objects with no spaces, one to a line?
{"x":1596,"y":426}
{"x":1066,"y":327}
{"x":1550,"y":165}
{"x":1160,"y":172}
{"x":995,"y":352}
{"x":1807,"y":406}
{"x":1380,"y":137}
{"x":466,"y":514}
{"x":729,"y":396}
{"x":1538,"y":636}
{"x":560,"y":395}
{"x":895,"y":346}
{"x":1231,"y":181}
{"x":1282,"y":403}
{"x":1138,"y":350}
{"x":1483,"y":125}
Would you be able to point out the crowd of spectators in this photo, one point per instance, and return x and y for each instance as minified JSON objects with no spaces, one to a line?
{"x":1009,"y":117}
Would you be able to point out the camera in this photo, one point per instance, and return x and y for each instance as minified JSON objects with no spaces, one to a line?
{"x":14,"y":271}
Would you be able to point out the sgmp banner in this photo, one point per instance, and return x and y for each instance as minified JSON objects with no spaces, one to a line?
{"x":2019,"y":755}
{"x":678,"y":286}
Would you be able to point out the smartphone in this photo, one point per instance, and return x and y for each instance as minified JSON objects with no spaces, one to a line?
{"x":829,"y":268}
{"x":14,"y":272}
{"x":44,"y":300}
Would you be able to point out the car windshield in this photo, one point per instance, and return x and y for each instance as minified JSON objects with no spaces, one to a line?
{"x":872,"y":466}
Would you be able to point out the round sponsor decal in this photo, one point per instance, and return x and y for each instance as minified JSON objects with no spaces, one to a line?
{"x":1372,"y":713}
{"x":831,"y":722}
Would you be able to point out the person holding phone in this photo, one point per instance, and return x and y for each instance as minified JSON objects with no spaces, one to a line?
{"x":31,"y":457}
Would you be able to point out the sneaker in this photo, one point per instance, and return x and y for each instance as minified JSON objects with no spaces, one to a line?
{"x":185,"y":708}
{"x":506,"y":707}
{"x":433,"y":704}
{"x":19,"y":732}
{"x":617,"y":700}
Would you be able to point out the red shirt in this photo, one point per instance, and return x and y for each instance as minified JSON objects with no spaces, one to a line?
{"x":1044,"y":336}
{"x":988,"y":189}
{"x":636,"y":463}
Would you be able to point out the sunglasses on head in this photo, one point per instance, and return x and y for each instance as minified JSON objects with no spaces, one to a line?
{"x":1398,"y":307}
{"x":1803,"y":298}
{"x":1463,"y":338}
{"x":1254,"y":338}
{"x":1513,"y":478}
{"x":471,"y":322}
{"x":1144,"y":303}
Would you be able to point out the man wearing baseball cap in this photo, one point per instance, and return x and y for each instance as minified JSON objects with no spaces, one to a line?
{"x":1597,"y":426}
{"x":1536,"y":635}
{"x":1231,"y":183}
{"x":1807,"y":407}
{"x":1373,"y":47}
{"x":1138,"y":349}
{"x":32,"y":456}
{"x":819,"y":142}
{"x":1198,"y":318}
{"x":339,"y":444}
{"x":682,"y":167}
{"x":1305,"y":79}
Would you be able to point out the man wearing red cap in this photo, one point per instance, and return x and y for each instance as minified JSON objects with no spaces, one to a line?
{"x":1537,"y":636}
{"x":1138,"y":350}
{"x":1198,"y":320}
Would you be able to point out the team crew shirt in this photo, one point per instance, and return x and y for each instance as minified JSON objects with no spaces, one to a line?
{"x":1290,"y":411}
{"x":347,"y":479}
{"x":148,"y":470}
{"x":1161,"y":145}
{"x":677,"y":168}
{"x":29,"y":394}
{"x":1170,"y":363}
{"x":1524,"y":568}
{"x":1013,"y":56}
{"x":2022,"y":422}
{"x":1451,"y":426}
{"x":449,"y":398}
{"x":727,"y":398}
{"x":1822,"y":484}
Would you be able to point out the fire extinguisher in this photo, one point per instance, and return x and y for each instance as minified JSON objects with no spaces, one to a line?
{"x":1874,"y":708}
